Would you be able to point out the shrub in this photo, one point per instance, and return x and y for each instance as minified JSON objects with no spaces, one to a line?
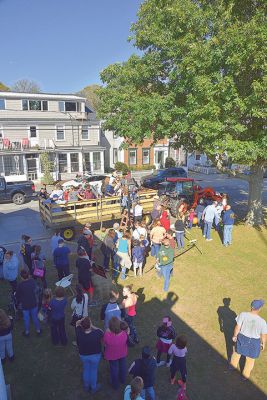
{"x":169,"y":163}
{"x":121,"y":167}
{"x":47,"y":167}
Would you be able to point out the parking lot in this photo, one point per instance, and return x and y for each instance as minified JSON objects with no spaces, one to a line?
{"x":24,"y":219}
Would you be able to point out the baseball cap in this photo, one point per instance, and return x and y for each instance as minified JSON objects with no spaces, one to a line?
{"x":257,"y":304}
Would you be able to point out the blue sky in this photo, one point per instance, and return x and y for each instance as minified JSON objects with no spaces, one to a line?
{"x":63,"y":44}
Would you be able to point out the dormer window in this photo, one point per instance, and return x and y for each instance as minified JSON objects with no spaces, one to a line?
{"x":34,"y":105}
{"x":69,"y":106}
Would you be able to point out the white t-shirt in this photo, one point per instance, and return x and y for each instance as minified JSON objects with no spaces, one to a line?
{"x":177,"y":352}
{"x":138,"y":210}
{"x":138,"y":232}
{"x":78,"y":308}
{"x":252,"y":325}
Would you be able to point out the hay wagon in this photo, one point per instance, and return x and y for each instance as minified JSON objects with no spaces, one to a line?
{"x":68,"y":217}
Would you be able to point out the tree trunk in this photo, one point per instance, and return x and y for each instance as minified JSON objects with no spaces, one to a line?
{"x":255,"y":214}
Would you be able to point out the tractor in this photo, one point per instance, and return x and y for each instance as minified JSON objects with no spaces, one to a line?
{"x":181,"y":194}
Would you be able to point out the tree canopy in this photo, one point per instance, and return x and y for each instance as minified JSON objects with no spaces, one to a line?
{"x":91,"y":94}
{"x":201,"y":80}
{"x":26,"y":86}
{"x":3,"y":87}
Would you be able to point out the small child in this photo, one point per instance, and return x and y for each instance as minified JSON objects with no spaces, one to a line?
{"x":169,"y":235}
{"x":178,"y":364}
{"x":191,"y":218}
{"x":166,"y":334}
{"x":44,"y":313}
{"x":138,"y":256}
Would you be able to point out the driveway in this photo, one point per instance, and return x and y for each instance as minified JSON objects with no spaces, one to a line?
{"x":18,"y":220}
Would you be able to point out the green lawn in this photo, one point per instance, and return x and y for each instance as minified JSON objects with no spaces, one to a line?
{"x":199,"y":284}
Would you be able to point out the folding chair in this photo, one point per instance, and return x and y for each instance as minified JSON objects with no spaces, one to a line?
{"x":66,"y":283}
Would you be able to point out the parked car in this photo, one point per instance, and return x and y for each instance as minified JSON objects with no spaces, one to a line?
{"x":18,"y":192}
{"x":152,"y":181}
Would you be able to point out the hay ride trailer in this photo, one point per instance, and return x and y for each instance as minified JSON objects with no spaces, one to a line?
{"x":66,"y":217}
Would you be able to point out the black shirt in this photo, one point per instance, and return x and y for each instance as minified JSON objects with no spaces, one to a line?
{"x":84,"y":272}
{"x":179,"y":225}
{"x":89,"y":343}
{"x":145,"y":368}
{"x":26,"y":294}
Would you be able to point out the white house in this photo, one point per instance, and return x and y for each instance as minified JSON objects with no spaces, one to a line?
{"x":58,"y":124}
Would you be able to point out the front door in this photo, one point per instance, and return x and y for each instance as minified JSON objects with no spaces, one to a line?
{"x":159,"y":159}
{"x":32,"y":168}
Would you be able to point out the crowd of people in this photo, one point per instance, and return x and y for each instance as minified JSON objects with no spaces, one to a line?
{"x":122,"y":250}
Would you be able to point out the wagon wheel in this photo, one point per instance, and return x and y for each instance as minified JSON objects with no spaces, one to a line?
{"x":68,"y":233}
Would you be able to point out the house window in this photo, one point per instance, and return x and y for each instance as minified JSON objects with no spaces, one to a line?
{"x":62,"y":163}
{"x":86,"y":162}
{"x":132,"y":156}
{"x":146,"y":156}
{"x":74,"y":162}
{"x":69,"y":106}
{"x":96,"y":161}
{"x":85,"y":132}
{"x":115,"y":156}
{"x":2,"y":104}
{"x":33,"y":132}
{"x":12,"y":165}
{"x":34,"y":105}
{"x":60,"y":134}
{"x":197,"y":156}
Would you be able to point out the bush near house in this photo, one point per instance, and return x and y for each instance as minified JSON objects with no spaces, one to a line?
{"x":121,"y":167}
{"x":47,"y":167}
{"x":169,"y":162}
{"x":142,"y":168}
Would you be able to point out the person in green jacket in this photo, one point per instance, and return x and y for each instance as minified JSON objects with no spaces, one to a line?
{"x":165,"y":260}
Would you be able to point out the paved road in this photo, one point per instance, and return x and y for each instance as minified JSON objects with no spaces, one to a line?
{"x":18,"y":220}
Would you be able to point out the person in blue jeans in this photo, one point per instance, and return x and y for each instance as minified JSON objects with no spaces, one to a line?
{"x":228,"y":224}
{"x":145,"y":367}
{"x":26,"y":296}
{"x":57,"y":317}
{"x":179,"y":227}
{"x":209,"y":214}
{"x":89,"y":342}
{"x":166,"y":257}
{"x":61,"y":259}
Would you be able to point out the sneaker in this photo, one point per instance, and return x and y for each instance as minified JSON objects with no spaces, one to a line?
{"x":26,"y":334}
{"x":208,"y":240}
{"x":11,"y":359}
{"x":168,"y":364}
{"x":204,"y":236}
{"x":161,"y":363}
{"x":98,"y":387}
{"x":74,"y":343}
{"x":38,"y":333}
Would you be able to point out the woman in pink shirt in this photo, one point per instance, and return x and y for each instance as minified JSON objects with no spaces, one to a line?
{"x":116,"y":350}
{"x":129,"y":304}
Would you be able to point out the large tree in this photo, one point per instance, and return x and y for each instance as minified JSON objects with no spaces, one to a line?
{"x":91,"y":94}
{"x":26,"y":86}
{"x":201,"y":80}
{"x":3,"y":87}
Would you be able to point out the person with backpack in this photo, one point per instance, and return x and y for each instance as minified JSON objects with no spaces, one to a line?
{"x":26,"y":250}
{"x":145,"y":367}
{"x":110,"y":309}
{"x":2,"y":257}
{"x":11,"y":269}
{"x":38,"y":265}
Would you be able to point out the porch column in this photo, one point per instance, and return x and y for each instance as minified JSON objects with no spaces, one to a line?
{"x":68,"y":163}
{"x":80,"y":162}
{"x":102,"y":166}
{"x":91,"y":162}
